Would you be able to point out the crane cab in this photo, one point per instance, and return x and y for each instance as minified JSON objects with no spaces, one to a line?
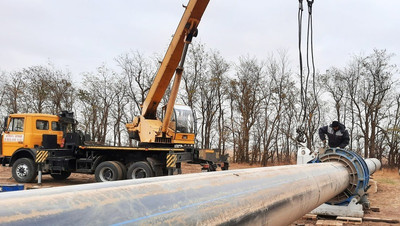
{"x":181,"y":129}
{"x":182,"y":120}
{"x":183,"y":124}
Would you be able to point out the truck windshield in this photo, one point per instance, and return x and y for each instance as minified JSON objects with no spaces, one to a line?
{"x":184,"y":119}
{"x":16,"y":125}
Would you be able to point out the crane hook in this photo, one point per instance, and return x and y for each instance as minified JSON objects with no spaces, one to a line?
{"x":301,"y":5}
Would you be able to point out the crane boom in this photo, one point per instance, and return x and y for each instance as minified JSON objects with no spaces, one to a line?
{"x":177,"y":126}
{"x":189,"y":22}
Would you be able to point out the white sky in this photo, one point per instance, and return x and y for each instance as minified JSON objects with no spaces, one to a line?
{"x":82,"y":34}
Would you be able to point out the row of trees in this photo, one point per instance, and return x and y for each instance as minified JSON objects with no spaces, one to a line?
{"x":252,"y":107}
{"x":36,"y":89}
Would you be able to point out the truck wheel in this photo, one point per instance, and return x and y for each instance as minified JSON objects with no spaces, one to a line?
{"x":225,"y":166}
{"x":140,"y":170}
{"x":24,"y":170}
{"x":108,"y":171}
{"x":64,"y":175}
{"x":123,"y":168}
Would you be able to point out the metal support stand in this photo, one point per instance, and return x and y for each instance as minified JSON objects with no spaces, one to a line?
{"x":171,"y":171}
{"x":178,"y":168}
{"x":40,"y":174}
{"x":351,"y":210}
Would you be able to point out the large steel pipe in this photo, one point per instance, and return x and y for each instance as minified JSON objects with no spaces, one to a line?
{"x":259,"y":196}
{"x":373,"y":165}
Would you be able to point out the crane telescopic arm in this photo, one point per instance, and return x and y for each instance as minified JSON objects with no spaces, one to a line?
{"x":187,"y":28}
{"x":147,"y":128}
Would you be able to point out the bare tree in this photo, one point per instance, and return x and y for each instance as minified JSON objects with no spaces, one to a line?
{"x":15,"y":91}
{"x":138,"y":74}
{"x":97,"y":99}
{"x":3,"y":78}
{"x":62,"y":92}
{"x":246,"y":89}
{"x":195,"y":70}
{"x":37,"y":91}
{"x":218,"y":69}
{"x":279,"y":98}
{"x":369,"y":84}
{"x":334,"y":82}
{"x":119,"y":110}
{"x":209,"y":108}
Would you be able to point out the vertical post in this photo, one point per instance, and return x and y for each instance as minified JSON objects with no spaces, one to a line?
{"x":40,"y":174}
{"x":179,"y":168}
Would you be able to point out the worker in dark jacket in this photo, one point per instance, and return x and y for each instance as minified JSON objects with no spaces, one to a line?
{"x":337,"y":134}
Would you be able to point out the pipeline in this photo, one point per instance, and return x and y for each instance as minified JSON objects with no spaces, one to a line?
{"x":263,"y":196}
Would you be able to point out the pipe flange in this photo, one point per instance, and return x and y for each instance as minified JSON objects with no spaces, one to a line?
{"x":358,"y":174}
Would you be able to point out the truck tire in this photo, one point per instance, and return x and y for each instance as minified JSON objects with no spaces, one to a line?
{"x":123,"y":168}
{"x":108,"y":171}
{"x":226,"y":166}
{"x":64,"y":175}
{"x":140,"y":170}
{"x":24,"y":170}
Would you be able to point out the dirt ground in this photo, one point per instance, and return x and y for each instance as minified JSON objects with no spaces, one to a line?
{"x":387,"y":199}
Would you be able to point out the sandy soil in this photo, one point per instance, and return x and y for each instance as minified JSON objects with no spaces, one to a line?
{"x":387,"y":199}
{"x":388,"y":196}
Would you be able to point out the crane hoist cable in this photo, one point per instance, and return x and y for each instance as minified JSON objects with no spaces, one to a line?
{"x":310,"y":49}
{"x":310,"y":69}
{"x":303,"y":99}
{"x":302,"y":96}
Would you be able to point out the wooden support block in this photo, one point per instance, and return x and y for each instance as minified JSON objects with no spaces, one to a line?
{"x":375,"y":209}
{"x":375,"y":219}
{"x":354,"y":220}
{"x":329,"y":223}
{"x":310,"y":216}
{"x":37,"y":187}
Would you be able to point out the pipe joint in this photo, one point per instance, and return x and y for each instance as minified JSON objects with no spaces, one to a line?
{"x":358,"y":169}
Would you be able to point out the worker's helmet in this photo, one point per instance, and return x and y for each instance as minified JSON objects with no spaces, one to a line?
{"x":335,"y":124}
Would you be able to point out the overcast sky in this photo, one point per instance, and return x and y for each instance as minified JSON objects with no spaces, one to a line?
{"x":82,"y":34}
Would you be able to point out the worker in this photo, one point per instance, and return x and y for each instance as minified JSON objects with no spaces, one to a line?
{"x":337,"y":134}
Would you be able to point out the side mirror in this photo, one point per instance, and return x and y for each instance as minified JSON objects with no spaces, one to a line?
{"x":5,"y":124}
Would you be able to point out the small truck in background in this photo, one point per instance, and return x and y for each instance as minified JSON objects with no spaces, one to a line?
{"x":52,"y":145}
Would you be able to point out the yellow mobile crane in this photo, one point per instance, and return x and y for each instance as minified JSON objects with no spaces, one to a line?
{"x":177,"y":125}
{"x":35,"y":144}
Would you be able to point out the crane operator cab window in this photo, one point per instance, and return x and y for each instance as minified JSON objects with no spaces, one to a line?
{"x":184,"y":119}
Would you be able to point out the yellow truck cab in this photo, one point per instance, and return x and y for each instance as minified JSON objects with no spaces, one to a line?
{"x":24,"y":133}
{"x":27,"y":130}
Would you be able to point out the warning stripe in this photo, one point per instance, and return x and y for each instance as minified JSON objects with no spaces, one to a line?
{"x":171,"y":160}
{"x":41,"y":156}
